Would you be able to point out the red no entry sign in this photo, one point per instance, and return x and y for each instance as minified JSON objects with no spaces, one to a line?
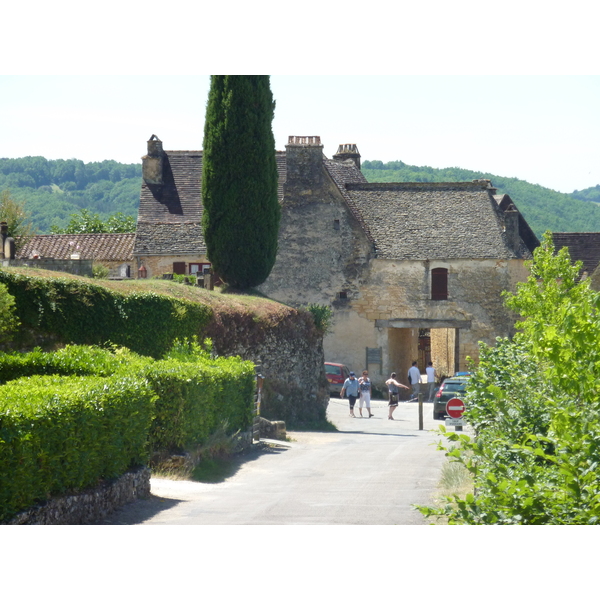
{"x":455,"y":407}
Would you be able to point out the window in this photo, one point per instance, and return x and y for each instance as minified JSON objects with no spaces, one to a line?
{"x":439,"y":284}
{"x":198,"y":268}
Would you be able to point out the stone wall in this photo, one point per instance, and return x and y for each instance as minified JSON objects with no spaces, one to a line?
{"x":89,"y":506}
{"x":290,"y":355}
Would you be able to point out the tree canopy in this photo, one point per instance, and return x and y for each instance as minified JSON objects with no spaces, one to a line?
{"x":87,"y":222}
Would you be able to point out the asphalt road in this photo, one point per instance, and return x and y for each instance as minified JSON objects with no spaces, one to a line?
{"x":369,"y":472}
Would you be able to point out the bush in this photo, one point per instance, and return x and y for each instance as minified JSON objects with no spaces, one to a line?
{"x":9,"y":322}
{"x":81,"y":312}
{"x":59,"y":434}
{"x":535,"y":405}
{"x":194,"y":396}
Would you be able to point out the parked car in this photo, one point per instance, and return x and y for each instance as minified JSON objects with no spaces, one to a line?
{"x":453,"y":387}
{"x":336,"y":374}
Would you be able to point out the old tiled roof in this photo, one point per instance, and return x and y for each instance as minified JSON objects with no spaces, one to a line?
{"x":582,"y":246}
{"x":346,"y":172}
{"x":402,"y":220}
{"x":170,"y":215}
{"x":117,"y":247}
{"x":417,"y":221}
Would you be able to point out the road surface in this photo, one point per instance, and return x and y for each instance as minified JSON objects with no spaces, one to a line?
{"x":369,"y":472}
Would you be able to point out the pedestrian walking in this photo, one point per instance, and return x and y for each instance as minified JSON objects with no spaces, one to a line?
{"x":414,"y":378}
{"x":393,"y":394}
{"x":364,"y":388}
{"x":430,"y":381}
{"x":351,"y":388}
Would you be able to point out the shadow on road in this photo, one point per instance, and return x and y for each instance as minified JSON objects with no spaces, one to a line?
{"x":143,"y":509}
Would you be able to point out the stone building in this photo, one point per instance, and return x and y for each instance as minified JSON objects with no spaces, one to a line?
{"x":412,"y":271}
{"x":77,"y":252}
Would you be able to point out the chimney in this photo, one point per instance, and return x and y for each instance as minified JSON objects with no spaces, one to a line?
{"x":511,"y":227}
{"x":304,"y":161}
{"x":348,"y":151}
{"x":152,"y":163}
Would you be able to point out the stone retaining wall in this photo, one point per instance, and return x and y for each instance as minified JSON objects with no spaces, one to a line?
{"x":89,"y":506}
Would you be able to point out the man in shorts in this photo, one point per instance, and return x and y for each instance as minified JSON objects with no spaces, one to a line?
{"x":393,"y":391}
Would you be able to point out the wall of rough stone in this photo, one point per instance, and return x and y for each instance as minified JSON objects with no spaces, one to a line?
{"x":89,"y":506}
{"x":290,"y":355}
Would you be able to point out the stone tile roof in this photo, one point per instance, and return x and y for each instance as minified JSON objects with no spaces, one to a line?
{"x":582,"y":246}
{"x":402,"y":220}
{"x":436,"y":221}
{"x":117,"y":247}
{"x":170,"y":215}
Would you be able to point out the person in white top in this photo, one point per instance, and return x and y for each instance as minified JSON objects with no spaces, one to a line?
{"x":430,"y":381}
{"x":414,"y":377}
{"x":364,"y":388}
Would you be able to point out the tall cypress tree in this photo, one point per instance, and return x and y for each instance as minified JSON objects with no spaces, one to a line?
{"x":239,"y":179}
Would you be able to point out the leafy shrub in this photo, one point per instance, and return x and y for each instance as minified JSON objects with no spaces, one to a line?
{"x":194,"y":396}
{"x":534,"y":402}
{"x":322,"y":315}
{"x":70,"y":360}
{"x":9,"y":322}
{"x":81,"y":312}
{"x":59,"y":433}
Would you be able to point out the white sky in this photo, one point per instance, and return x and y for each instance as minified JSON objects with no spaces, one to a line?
{"x":527,"y":105}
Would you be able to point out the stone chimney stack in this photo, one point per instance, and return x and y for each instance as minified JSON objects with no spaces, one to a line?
{"x":7,"y":244}
{"x":348,"y":151}
{"x":152,"y":163}
{"x":511,"y":227}
{"x":304,"y":162}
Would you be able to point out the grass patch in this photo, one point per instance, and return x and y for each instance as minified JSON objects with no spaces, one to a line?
{"x":214,"y":470}
{"x":455,"y":480}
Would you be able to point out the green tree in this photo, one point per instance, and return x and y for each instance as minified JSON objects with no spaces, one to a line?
{"x":239,"y":180}
{"x":87,"y":222}
{"x":534,"y":402}
{"x":9,"y":322}
{"x":17,"y":219}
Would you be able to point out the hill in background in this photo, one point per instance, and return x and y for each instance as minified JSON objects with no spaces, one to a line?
{"x":52,"y":190}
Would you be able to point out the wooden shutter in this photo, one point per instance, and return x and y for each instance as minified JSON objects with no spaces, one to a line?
{"x":179,"y":268}
{"x":439,"y":284}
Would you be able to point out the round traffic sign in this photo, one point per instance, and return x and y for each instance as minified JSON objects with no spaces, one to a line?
{"x":455,"y":407}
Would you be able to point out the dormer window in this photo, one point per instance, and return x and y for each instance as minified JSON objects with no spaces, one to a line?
{"x":439,"y":284}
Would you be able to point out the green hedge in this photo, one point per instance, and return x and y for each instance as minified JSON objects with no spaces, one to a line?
{"x":194,"y":398}
{"x":70,"y":360}
{"x":71,"y":417}
{"x":82,"y":312}
{"x":66,"y":433}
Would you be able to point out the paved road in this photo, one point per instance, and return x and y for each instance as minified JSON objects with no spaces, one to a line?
{"x":370,"y":472}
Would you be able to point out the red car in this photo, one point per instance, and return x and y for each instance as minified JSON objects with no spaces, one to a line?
{"x":336,"y":374}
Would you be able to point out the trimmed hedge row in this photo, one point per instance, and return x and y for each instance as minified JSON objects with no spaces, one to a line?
{"x":86,"y":313}
{"x":66,"y":433}
{"x":60,"y":432}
